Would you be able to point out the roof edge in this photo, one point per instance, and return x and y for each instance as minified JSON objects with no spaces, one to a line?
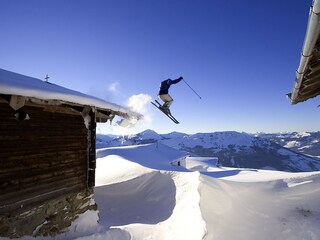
{"x":312,"y":33}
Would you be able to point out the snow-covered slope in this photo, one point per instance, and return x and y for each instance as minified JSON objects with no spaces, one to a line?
{"x":233,"y":149}
{"x":307,"y":143}
{"x":141,"y":195}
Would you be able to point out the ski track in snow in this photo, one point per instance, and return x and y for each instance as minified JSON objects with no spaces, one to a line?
{"x":140,"y":195}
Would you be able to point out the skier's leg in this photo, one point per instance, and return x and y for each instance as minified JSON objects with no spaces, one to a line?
{"x":167,"y":99}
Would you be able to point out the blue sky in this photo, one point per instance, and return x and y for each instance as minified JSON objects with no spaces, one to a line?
{"x":239,"y":55}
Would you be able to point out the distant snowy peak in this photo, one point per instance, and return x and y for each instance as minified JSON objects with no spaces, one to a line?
{"x":149,"y":134}
{"x":292,"y":144}
{"x":303,"y":142}
{"x":174,"y":135}
{"x":222,"y":139}
{"x":235,"y":149}
{"x":207,"y":140}
{"x":302,"y":134}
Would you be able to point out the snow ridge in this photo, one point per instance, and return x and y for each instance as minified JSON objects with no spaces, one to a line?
{"x":188,"y":204}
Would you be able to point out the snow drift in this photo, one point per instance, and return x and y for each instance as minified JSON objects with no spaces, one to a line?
{"x":141,"y":195}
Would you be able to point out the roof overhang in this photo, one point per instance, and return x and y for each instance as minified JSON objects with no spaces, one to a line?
{"x":307,"y":83}
{"x":36,"y":90}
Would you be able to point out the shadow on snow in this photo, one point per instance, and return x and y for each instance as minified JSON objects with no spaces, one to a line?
{"x":147,"y":199}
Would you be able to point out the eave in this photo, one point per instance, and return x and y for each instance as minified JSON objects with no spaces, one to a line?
{"x":307,"y":83}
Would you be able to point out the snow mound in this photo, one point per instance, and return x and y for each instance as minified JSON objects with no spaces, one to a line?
{"x":267,"y":210}
{"x":149,"y":198}
{"x":148,"y":206}
{"x":154,"y":156}
{"x":141,"y":195}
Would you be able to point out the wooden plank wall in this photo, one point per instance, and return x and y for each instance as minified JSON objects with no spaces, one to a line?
{"x":46,"y":154}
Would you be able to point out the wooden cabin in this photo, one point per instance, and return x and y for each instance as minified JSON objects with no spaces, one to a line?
{"x":47,"y":153}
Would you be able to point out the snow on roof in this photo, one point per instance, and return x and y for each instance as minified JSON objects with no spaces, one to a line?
{"x":16,"y":84}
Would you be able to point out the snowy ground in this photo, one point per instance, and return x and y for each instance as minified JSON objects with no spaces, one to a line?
{"x":141,"y":195}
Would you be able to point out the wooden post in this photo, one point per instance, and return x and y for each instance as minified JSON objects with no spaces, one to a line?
{"x":91,"y":149}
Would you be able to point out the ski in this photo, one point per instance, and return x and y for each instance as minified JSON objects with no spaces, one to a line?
{"x":168,"y":114}
{"x":159,"y":106}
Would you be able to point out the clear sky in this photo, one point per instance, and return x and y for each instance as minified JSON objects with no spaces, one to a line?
{"x":240,"y":56}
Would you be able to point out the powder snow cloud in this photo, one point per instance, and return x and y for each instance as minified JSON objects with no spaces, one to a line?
{"x":139,"y":103}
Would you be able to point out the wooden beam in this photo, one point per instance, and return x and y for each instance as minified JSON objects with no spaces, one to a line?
{"x":91,"y":149}
{"x":17,"y":102}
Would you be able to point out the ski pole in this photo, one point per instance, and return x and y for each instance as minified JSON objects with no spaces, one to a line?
{"x":191,"y":88}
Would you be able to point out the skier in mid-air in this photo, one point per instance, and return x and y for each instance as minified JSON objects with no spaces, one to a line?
{"x":164,"y":93}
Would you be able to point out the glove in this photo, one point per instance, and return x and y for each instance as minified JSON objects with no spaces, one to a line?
{"x":180,"y":78}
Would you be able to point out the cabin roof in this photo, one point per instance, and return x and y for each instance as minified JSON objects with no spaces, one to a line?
{"x":307,"y":83}
{"x":17,"y":84}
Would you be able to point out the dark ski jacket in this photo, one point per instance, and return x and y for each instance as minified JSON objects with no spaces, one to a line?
{"x":165,"y":85}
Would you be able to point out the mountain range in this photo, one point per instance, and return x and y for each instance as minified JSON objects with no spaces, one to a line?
{"x":307,"y":143}
{"x":292,"y":152}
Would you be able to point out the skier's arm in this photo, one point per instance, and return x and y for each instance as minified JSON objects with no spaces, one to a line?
{"x":176,"y":80}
